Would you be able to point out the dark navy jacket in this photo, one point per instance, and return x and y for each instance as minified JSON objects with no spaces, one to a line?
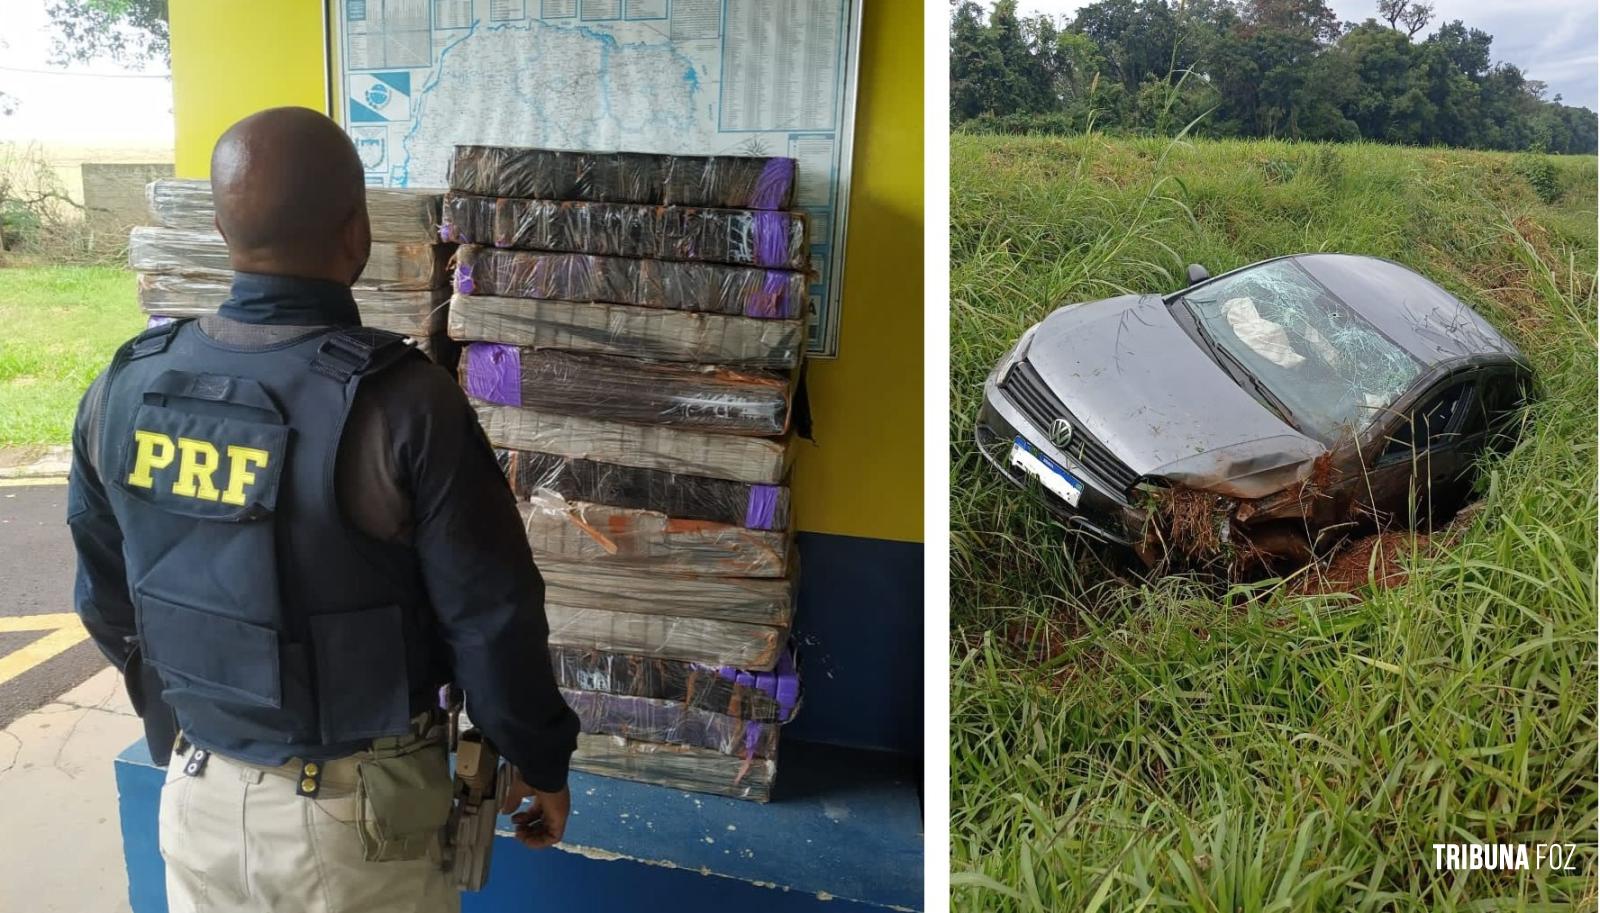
{"x":279,"y":617}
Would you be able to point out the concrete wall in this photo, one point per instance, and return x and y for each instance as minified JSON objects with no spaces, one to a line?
{"x":113,"y":198}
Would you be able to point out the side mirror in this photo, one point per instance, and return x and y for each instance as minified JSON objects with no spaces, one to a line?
{"x":1197,"y":274}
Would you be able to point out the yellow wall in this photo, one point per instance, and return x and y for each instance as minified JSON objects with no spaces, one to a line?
{"x":863,"y":477}
{"x":234,"y":57}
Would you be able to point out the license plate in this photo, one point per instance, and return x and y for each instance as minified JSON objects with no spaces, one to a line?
{"x":1049,"y":473}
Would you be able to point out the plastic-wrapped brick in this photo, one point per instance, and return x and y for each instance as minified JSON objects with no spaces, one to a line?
{"x":756,"y":600}
{"x":702,"y":397}
{"x":688,"y":497}
{"x":768,"y":697}
{"x":396,"y":214}
{"x":623,"y":329}
{"x":394,"y":265}
{"x":723,"y":456}
{"x":739,"y":237}
{"x":723,"y":181}
{"x":695,"y":640}
{"x":196,"y":294}
{"x":676,"y":766}
{"x":710,"y":287}
{"x":628,"y":537}
{"x":667,"y":721}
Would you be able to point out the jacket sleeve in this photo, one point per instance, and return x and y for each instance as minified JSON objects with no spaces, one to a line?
{"x":480,"y":577}
{"x":100,"y":593}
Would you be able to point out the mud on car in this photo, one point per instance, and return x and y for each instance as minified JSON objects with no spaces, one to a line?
{"x":1257,"y":417}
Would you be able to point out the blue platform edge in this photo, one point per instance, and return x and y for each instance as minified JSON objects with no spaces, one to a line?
{"x":845,"y":830}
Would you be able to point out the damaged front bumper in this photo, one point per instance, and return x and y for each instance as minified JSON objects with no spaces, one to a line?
{"x":1100,"y":513}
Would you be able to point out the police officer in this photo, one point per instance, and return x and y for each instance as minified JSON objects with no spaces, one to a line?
{"x":292,"y":531}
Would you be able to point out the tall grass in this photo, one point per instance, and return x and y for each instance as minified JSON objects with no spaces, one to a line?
{"x":1140,"y":745}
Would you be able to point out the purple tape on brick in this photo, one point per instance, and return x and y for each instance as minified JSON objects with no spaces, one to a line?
{"x":774,"y":300}
{"x":494,"y":373}
{"x":772,"y":238}
{"x":729,"y":673}
{"x":762,"y":508}
{"x":752,"y":738}
{"x":788,"y":684}
{"x":746,"y":679}
{"x":767,"y":684}
{"x":157,"y":320}
{"x":772,"y":187}
{"x":464,"y":283}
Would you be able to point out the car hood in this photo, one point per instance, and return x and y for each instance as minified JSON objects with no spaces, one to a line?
{"x":1140,"y":385}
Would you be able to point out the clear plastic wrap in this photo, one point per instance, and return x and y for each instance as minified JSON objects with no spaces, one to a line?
{"x":627,"y":537}
{"x":709,"y":287}
{"x":441,"y":350}
{"x":679,"y":495}
{"x":723,"y":456}
{"x":649,"y":720}
{"x":395,"y":265}
{"x":624,"y":329}
{"x":198,"y":293}
{"x":756,"y":600}
{"x":767,"y":697}
{"x":396,"y":214}
{"x":739,"y":237}
{"x":736,"y":181}
{"x":676,"y":766}
{"x":694,"y":640}
{"x":701,"y":397}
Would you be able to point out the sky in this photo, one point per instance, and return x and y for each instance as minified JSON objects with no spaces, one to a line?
{"x":98,"y":104}
{"x":1550,"y":40}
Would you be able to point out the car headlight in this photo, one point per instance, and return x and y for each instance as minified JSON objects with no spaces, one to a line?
{"x":1017,"y":353}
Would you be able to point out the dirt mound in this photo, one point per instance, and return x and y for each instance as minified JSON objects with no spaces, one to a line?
{"x":1379,"y":559}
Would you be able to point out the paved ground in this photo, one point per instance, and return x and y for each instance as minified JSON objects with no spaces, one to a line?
{"x":43,"y":650}
{"x":63,"y":718}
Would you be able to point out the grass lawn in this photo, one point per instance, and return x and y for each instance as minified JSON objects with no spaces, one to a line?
{"x":62,"y":324}
{"x":1165,"y":745}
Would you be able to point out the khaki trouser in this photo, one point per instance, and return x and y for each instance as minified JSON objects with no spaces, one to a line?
{"x":238,"y":838}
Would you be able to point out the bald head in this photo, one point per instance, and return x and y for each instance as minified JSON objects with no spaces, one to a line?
{"x":290,"y":196}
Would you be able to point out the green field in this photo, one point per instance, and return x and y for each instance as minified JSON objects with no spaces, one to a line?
{"x":1121,"y":745}
{"x":61,"y":326}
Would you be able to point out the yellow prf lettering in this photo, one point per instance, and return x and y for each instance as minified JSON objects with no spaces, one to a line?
{"x":197,"y":463}
{"x":154,"y":452}
{"x":240,"y":459}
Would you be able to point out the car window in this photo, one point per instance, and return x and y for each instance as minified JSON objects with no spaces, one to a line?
{"x":1329,"y":368}
{"x":1430,"y":425}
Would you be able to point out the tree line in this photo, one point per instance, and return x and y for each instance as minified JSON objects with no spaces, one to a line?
{"x":1251,"y":68}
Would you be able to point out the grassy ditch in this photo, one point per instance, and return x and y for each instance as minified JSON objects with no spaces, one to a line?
{"x":1124,"y":745}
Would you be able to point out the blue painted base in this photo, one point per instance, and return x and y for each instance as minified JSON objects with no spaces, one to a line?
{"x":859,"y":627}
{"x":845,"y":829}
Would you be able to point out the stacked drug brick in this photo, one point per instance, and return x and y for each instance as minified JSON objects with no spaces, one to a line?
{"x":633,"y":330}
{"x":184,"y":271}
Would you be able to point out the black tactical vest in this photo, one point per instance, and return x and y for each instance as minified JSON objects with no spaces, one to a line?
{"x":277,"y":629}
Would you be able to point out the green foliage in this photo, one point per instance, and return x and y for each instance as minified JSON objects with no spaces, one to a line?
{"x":1540,"y":174}
{"x":126,"y":31}
{"x":62,"y":326}
{"x":1254,"y":68}
{"x":1120,"y":744}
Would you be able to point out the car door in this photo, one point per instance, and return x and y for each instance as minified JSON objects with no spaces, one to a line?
{"x":1421,"y":471}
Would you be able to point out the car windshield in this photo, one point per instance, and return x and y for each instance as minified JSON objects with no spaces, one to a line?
{"x":1330,"y":369}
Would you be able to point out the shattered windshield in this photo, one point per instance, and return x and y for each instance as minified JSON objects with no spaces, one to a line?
{"x":1330,"y":369}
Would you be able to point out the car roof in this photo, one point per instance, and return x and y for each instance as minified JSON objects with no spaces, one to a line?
{"x":1428,"y":322}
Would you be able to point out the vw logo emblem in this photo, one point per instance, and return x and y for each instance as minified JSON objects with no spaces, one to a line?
{"x":1061,"y":433}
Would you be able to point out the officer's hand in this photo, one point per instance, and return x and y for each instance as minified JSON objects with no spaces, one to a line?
{"x":543,"y":822}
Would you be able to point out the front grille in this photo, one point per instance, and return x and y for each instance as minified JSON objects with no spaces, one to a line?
{"x":1032,"y":395}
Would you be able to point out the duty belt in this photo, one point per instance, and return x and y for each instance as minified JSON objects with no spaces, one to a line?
{"x":338,"y":772}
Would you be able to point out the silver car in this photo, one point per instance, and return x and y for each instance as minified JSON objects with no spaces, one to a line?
{"x":1293,"y":398}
